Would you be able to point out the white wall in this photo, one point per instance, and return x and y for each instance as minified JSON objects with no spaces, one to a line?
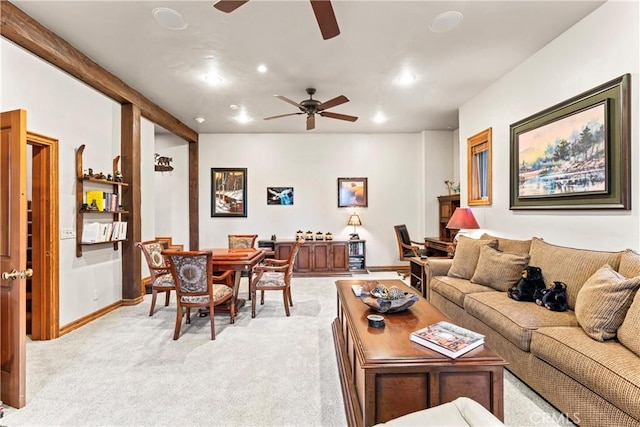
{"x":63,"y":108}
{"x":438,"y":167}
{"x":147,"y":187}
{"x":601,"y":47}
{"x":312,"y":163}
{"x":172,"y":190}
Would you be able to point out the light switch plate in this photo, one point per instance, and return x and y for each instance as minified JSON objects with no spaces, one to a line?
{"x":67,"y":233}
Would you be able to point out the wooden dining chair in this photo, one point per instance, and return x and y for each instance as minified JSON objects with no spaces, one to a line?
{"x":193,"y":275}
{"x":274,"y":275}
{"x":242,"y":241}
{"x":161,"y":278}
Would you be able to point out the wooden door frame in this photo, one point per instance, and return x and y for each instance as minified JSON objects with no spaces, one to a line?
{"x":45,"y":291}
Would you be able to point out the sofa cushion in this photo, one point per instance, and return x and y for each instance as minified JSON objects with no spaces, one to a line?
{"x":455,"y":289}
{"x":603,"y":301}
{"x":466,"y":256}
{"x":510,"y":245}
{"x":569,"y":265}
{"x":512,"y":319}
{"x":629,"y":264}
{"x":607,"y":368}
{"x":500,"y":270}
{"x":629,"y":331}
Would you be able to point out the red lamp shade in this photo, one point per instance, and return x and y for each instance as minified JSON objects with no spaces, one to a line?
{"x":462,"y":219}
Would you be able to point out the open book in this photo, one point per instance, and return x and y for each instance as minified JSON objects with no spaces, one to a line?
{"x":448,"y":339}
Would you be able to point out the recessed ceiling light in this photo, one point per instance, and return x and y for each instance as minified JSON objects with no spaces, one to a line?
{"x":405,"y":79}
{"x":199,"y":119}
{"x":262,"y":68}
{"x":446,"y":21}
{"x":233,"y":106}
{"x":169,"y":18}
{"x":213,"y":79}
{"x":243,"y":118}
{"x":379,"y":118}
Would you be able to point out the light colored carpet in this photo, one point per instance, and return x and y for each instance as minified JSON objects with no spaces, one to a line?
{"x":125,"y":369}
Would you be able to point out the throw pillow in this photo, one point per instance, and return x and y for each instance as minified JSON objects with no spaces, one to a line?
{"x":603,"y":301}
{"x":466,"y":256}
{"x":510,"y":245}
{"x":628,"y":332}
{"x":629,"y":264}
{"x":500,"y":270}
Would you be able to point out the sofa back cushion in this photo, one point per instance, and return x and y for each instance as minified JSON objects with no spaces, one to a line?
{"x":509,"y":245}
{"x":569,"y":265}
{"x":629,"y":264}
{"x":466,"y":256}
{"x":603,"y":301}
{"x":629,"y":331}
{"x":499,"y":270}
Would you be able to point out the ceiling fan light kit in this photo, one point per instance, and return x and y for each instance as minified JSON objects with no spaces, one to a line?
{"x":311,"y":107}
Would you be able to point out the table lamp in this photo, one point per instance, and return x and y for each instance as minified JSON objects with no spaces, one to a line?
{"x":462,"y":219}
{"x":354,"y":220}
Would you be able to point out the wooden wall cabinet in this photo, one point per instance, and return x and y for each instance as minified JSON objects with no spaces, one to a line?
{"x":83,"y":216}
{"x":318,"y":257}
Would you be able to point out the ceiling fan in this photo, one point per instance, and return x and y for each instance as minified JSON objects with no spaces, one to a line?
{"x":311,"y":107}
{"x":321,"y":8}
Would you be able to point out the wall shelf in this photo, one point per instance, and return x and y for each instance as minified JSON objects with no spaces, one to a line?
{"x":115,"y":186}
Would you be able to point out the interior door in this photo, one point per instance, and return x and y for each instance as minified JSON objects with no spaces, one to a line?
{"x":13,"y":256}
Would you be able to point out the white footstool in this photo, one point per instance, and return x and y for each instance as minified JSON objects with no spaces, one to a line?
{"x":460,"y":412}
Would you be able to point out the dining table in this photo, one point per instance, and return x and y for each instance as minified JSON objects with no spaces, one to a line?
{"x":238,"y":261}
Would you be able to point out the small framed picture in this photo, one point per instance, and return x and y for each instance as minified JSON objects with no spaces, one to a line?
{"x":280,"y":196}
{"x":229,"y":192}
{"x":352,"y":192}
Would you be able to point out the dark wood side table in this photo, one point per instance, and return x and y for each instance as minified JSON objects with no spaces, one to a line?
{"x":385,"y":375}
{"x":417,"y":276}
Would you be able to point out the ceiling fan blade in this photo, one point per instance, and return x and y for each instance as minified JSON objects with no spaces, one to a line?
{"x":333,"y":102}
{"x":285,"y":99}
{"x":311,"y":121}
{"x":326,"y":18}
{"x":282,"y":115}
{"x":338,"y":116}
{"x":229,"y":6}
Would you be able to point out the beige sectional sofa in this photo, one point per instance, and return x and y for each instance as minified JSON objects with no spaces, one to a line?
{"x":584,"y":361}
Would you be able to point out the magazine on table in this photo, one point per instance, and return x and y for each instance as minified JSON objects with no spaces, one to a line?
{"x":448,"y":339}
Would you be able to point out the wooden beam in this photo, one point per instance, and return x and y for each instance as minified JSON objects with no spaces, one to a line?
{"x":194,"y":197}
{"x":131,"y":201}
{"x":20,"y":28}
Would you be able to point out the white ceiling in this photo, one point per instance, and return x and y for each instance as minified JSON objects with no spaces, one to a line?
{"x":378,"y":41}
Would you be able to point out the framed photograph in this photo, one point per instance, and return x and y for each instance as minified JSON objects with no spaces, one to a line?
{"x":575,"y":155}
{"x":352,"y":192}
{"x":280,"y":196}
{"x":229,"y":192}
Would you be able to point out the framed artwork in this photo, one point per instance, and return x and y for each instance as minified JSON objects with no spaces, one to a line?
{"x":229,"y":192}
{"x":280,"y":196}
{"x":575,"y":155}
{"x":352,"y":192}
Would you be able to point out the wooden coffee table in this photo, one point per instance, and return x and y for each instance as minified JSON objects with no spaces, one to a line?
{"x":385,"y":375}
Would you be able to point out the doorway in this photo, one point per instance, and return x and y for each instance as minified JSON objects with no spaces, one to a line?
{"x":42,"y":241}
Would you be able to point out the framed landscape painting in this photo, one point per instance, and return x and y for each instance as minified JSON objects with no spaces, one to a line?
{"x":352,"y":192}
{"x":574,"y":155}
{"x":229,"y":192}
{"x":280,"y":196}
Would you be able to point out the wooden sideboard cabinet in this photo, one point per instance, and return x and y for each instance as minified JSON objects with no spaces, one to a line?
{"x":440,"y":246}
{"x":317,"y":257}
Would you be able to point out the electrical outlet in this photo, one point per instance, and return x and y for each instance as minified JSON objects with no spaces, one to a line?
{"x":95,"y":295}
{"x":67,"y":233}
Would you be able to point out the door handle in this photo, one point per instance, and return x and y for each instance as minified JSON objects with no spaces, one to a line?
{"x":14,"y":274}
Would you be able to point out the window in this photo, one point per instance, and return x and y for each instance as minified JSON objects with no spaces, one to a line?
{"x":479,"y":168}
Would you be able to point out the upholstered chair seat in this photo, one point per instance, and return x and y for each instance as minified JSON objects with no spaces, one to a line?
{"x":161,"y":278}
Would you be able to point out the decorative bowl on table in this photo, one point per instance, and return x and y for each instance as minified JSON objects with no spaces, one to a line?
{"x":391,"y":300}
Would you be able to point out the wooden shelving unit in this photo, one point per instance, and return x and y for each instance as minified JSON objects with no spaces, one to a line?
{"x":81,"y":181}
{"x":357,"y":256}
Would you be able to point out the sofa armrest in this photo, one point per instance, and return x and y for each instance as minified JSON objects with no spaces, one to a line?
{"x":438,"y":267}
